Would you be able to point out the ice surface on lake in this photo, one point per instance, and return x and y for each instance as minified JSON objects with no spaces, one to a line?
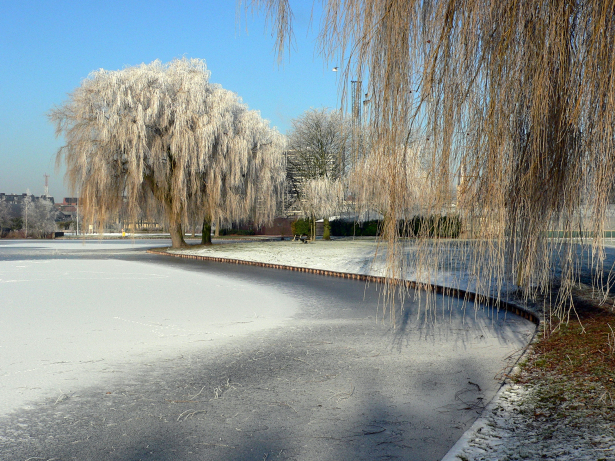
{"x":64,"y":323}
{"x":79,"y":244}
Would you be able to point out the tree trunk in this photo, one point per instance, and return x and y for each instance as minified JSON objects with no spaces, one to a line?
{"x":174,"y":216}
{"x":326,"y":229}
{"x":217,"y":231}
{"x":313,"y":228}
{"x":206,"y":232}
{"x":177,"y":236}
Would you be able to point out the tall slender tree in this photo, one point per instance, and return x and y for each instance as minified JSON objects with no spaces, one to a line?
{"x":163,"y":134}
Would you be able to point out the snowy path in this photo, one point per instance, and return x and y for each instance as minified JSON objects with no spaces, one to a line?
{"x":115,"y":354}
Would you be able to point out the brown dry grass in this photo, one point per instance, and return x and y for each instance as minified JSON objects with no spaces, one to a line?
{"x":573,"y":368}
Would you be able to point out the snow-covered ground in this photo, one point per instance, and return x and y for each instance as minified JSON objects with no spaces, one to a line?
{"x":45,"y":351}
{"x":66,"y":323}
{"x":356,"y":256}
{"x":511,"y":429}
{"x":91,"y":244}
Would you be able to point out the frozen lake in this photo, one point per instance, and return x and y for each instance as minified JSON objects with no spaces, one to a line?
{"x":68,"y":322}
{"x":110,"y":353}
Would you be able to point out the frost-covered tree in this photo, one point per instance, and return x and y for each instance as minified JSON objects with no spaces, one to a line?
{"x":40,"y":217}
{"x":26,"y":211}
{"x":163,"y":134}
{"x":318,"y":146}
{"x":5,"y":216}
{"x":321,"y":196}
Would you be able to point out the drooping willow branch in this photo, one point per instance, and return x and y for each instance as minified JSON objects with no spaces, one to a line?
{"x":514,"y":99}
{"x":162,"y":136}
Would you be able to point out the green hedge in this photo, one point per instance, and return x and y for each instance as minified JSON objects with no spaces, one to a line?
{"x":342,"y":228}
{"x":237,"y":232}
{"x":434,"y":226}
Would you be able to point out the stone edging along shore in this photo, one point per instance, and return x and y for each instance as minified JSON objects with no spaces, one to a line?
{"x":466,"y":295}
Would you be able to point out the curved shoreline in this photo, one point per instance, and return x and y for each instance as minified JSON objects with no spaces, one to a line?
{"x":470,"y":433}
{"x":509,"y":306}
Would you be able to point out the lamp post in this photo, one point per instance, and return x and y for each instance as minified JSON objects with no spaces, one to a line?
{"x":26,"y":203}
{"x":77,"y":228}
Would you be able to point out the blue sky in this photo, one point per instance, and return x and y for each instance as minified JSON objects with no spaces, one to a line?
{"x":48,"y":47}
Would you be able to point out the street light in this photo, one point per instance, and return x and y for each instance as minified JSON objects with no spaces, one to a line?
{"x":27,"y":201}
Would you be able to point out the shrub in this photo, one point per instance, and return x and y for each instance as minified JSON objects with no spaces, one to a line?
{"x":343,"y":228}
{"x":16,"y":234}
{"x":433,"y":226}
{"x":302,"y":226}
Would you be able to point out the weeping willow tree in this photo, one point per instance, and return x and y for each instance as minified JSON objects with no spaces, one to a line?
{"x":516,"y":97}
{"x":369,"y":176}
{"x":321,"y":196}
{"x":161,"y":136}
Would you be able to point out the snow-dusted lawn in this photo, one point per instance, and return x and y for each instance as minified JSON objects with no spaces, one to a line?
{"x":360,"y":256}
{"x":356,"y":256}
{"x":66,"y":322}
{"x":91,"y":244}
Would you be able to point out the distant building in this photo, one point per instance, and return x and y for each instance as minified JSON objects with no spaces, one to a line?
{"x":68,"y":208}
{"x":16,"y":202}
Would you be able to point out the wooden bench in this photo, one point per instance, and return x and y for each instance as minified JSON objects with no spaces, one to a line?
{"x":301,"y":238}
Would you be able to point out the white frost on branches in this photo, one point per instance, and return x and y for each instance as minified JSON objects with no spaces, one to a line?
{"x":318,"y":145}
{"x":322,"y":196}
{"x":163,"y":133}
{"x":39,"y":216}
{"x":320,"y":142}
{"x":372,"y":175}
{"x":5,"y":213}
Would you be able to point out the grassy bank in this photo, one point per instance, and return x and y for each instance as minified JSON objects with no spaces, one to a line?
{"x":572,"y":371}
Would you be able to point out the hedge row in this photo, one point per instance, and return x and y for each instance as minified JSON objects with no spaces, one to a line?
{"x":342,"y":228}
{"x":237,"y":232}
{"x":434,"y":226}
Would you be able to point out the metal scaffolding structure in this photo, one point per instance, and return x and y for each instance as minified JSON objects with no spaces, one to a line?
{"x":356,"y":92}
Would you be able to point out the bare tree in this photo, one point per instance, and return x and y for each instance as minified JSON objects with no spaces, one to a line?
{"x":162,"y":134}
{"x":26,"y":211}
{"x":318,"y":145}
{"x":516,"y":93}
